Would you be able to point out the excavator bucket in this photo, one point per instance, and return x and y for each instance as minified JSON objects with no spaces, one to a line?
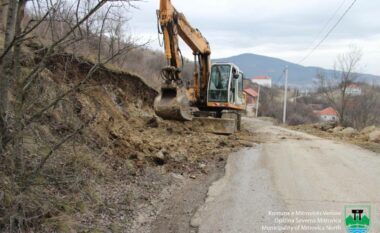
{"x":172,"y":104}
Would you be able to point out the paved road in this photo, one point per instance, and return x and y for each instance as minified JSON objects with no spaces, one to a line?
{"x":293,"y":180}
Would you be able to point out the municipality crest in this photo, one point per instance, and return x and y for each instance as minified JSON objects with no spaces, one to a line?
{"x":357,"y":218}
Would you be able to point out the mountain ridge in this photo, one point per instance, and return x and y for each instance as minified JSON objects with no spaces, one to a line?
{"x":299,"y":76}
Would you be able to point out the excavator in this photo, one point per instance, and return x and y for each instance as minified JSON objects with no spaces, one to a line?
{"x":215,"y":95}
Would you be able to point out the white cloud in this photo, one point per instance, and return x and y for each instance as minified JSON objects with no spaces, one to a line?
{"x":283,"y":29}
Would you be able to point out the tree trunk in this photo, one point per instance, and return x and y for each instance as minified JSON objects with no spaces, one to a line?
{"x":6,"y":72}
{"x":3,"y":4}
{"x":18,"y":83}
{"x":17,"y":46}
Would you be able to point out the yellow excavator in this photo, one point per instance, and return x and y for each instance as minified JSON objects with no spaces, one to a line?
{"x":216,"y":94}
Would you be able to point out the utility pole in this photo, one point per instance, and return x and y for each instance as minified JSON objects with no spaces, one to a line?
{"x":258,"y":102}
{"x":285,"y":95}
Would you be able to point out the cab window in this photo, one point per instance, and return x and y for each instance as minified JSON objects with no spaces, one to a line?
{"x":218,"y":86}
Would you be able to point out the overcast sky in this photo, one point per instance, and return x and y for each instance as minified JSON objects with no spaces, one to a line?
{"x":276,"y":28}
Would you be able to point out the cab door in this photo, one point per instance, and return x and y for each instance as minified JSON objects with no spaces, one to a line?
{"x":236,"y":90}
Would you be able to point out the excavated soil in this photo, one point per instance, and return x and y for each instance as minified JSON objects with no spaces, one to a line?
{"x":147,"y":174}
{"x":360,"y":138}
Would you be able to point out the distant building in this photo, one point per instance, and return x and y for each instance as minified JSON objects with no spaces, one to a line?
{"x":251,"y":101}
{"x":328,"y":115}
{"x":304,"y":92}
{"x":264,"y":81}
{"x":354,"y":90}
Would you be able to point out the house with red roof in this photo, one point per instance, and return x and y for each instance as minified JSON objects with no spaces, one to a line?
{"x":264,"y":81}
{"x":328,"y":115}
{"x":251,"y":101}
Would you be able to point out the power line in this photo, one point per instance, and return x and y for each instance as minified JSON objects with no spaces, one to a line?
{"x":277,"y":80}
{"x":329,"y":32}
{"x":280,"y":77}
{"x":328,"y":22}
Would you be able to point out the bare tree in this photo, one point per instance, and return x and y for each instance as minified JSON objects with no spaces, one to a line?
{"x":364,"y":109}
{"x":334,"y":87}
{"x":269,"y":104}
{"x":58,"y":27}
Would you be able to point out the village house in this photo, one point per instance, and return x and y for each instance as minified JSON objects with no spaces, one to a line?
{"x":328,"y":115}
{"x":353,"y":90}
{"x":251,"y":101}
{"x":264,"y":81}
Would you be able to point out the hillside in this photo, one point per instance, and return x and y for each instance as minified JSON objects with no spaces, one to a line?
{"x":299,"y":76}
{"x":81,"y":149}
{"x":115,"y":156}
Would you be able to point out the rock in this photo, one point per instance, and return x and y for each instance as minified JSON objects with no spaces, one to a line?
{"x":368,"y":130}
{"x":337,"y":129}
{"x":349,"y":132}
{"x":159,"y":158}
{"x":325,"y":126}
{"x":160,"y":155}
{"x":374,"y":136}
{"x":173,"y":156}
{"x":137,"y":156}
{"x":153,"y":122}
{"x":177,"y":176}
{"x":247,"y":144}
{"x":223,"y":143}
{"x":139,"y":103}
{"x":202,"y":168}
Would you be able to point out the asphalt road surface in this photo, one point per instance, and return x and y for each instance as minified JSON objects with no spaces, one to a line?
{"x":293,"y":182}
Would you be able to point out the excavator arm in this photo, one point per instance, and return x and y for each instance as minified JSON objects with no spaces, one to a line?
{"x":174,"y":26}
{"x":201,"y":50}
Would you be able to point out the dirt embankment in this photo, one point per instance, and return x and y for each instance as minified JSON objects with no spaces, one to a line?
{"x":125,"y":167}
{"x":368,"y":138}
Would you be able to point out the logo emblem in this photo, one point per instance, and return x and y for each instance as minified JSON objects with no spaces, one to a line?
{"x":357,"y":218}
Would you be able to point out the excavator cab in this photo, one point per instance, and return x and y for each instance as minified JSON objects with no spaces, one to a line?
{"x":225,"y":89}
